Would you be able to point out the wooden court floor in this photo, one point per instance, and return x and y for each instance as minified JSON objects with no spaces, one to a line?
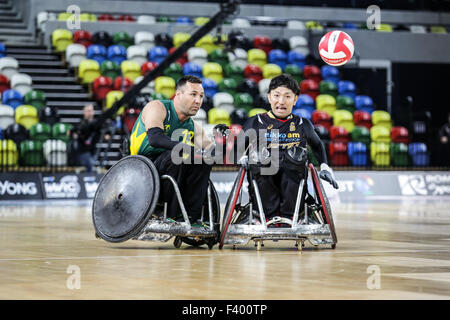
{"x":386,"y":250}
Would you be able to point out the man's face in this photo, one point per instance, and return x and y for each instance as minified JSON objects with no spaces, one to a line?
{"x":191,"y":98}
{"x":88,"y":112}
{"x":282,"y":100}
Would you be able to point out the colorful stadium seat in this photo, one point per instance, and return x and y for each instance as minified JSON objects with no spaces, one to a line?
{"x":419,"y":154}
{"x":382,"y":118}
{"x":184,"y":20}
{"x":22,"y":83}
{"x":122,"y":84}
{"x":362,"y":118}
{"x":238,"y":57}
{"x":234,"y":71}
{"x":328,"y":87}
{"x":36,"y":98}
{"x":101,"y":86}
{"x":88,"y":71}
{"x":253,"y":72}
{"x":200,"y":21}
{"x":379,"y":153}
{"x":31,"y":153}
{"x":228,"y":85}
{"x":296,"y":24}
{"x":112,"y":97}
{"x":137,"y":54}
{"x":6,"y":116}
{"x":48,"y":115}
{"x":297,"y":58}
{"x":193,"y":69}
{"x":438,"y":29}
{"x":338,"y":153}
{"x":82,"y":37}
{"x":165,"y":85}
{"x":330,"y":73}
{"x":147,"y":67}
{"x":299,"y":44}
{"x":345,"y":103}
{"x":213,"y":71}
{"x":243,"y":100}
{"x":110,"y":69}
{"x":343,"y":118}
{"x":130,"y":69}
{"x":130,"y":116}
{"x":255,"y":111}
{"x":181,"y":60}
{"x":304,"y":113}
{"x":144,"y":39}
{"x":384,"y":27}
{"x":380,"y":134}
{"x":164,"y":40}
{"x":88,"y":17}
{"x":357,"y":152}
{"x":8,"y":153}
{"x":313,"y":25}
{"x":103,"y":38}
{"x":271,"y":71}
{"x":158,"y":54}
{"x":399,"y":154}
{"x":262,"y":42}
{"x":55,"y":152}
{"x":9,"y":66}
{"x":207,"y":43}
{"x":224,"y":100}
{"x":249,"y":86}
{"x":12,"y":98}
{"x":40,"y":132}
{"x":61,"y":38}
{"x":4,"y":83}
{"x":123,"y":39}
{"x":321,"y":118}
{"x":75,"y":53}
{"x":117,"y":54}
{"x":257,"y":57}
{"x":309,"y":87}
{"x":339,"y":134}
{"x":218,"y":116}
{"x":305,"y":101}
{"x":179,"y":38}
{"x":149,"y":88}
{"x":278,"y":57}
{"x":312,"y":72}
{"x":197,"y":56}
{"x":219,"y":56}
{"x":263,"y":87}
{"x":294,"y":71}
{"x":210,"y":87}
{"x":347,"y":88}
{"x":26,"y":115}
{"x":106,"y":17}
{"x":400,"y":135}
{"x":175,"y":71}
{"x":326,"y":103}
{"x":361,"y":134}
{"x":96,"y":52}
{"x":60,"y":131}
{"x":146,"y":19}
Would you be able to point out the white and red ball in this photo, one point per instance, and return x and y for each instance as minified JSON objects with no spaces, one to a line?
{"x":336,"y":48}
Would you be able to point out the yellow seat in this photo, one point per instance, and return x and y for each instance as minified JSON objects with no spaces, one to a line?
{"x":218,"y":116}
{"x":438,"y":29}
{"x":130,"y":69}
{"x":384,"y":27}
{"x":64,"y":16}
{"x":327,"y":103}
{"x":26,"y":115}
{"x":200,"y":21}
{"x":257,"y":56}
{"x":112,"y":97}
{"x":382,"y":118}
{"x":313,"y":25}
{"x":255,"y":111}
{"x":179,"y":38}
{"x":207,"y":43}
{"x":380,"y":134}
{"x":271,"y":70}
{"x":9,"y":155}
{"x":343,"y":118}
{"x":379,"y":153}
{"x":213,"y":70}
{"x":88,"y":17}
{"x":88,"y":71}
{"x":165,"y":85}
{"x":61,"y":38}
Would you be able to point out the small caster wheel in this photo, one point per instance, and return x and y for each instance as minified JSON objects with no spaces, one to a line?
{"x":333,"y":246}
{"x":210,"y":245}
{"x":177,"y":242}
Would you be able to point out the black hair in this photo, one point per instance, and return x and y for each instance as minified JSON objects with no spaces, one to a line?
{"x":284,"y":80}
{"x":188,"y":78}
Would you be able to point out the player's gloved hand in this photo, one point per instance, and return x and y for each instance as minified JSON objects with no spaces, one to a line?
{"x":221,"y":128}
{"x":327,"y":175}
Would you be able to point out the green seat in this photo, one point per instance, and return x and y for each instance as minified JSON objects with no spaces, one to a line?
{"x":294,"y":71}
{"x":234,"y":72}
{"x":328,"y":87}
{"x":36,"y":98}
{"x":40,"y":132}
{"x":163,"y":19}
{"x":228,"y":85}
{"x":219,"y":56}
{"x":243,"y":101}
{"x":123,"y":39}
{"x":60,"y":131}
{"x":361,"y":134}
{"x":31,"y":153}
{"x":399,"y":154}
{"x":345,"y":103}
{"x":110,"y":69}
{"x":175,"y":71}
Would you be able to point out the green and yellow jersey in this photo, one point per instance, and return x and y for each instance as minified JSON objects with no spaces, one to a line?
{"x":139,"y":143}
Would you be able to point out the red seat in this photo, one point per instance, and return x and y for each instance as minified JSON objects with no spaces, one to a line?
{"x":313,"y":73}
{"x":148,"y":66}
{"x":125,"y":86}
{"x":82,"y":37}
{"x":126,"y":17}
{"x":339,"y":134}
{"x":129,"y":117}
{"x":253,"y":72}
{"x":263,"y":42}
{"x":101,"y":86}
{"x":4,"y":83}
{"x":106,"y":17}
{"x":309,"y":87}
{"x":338,"y":153}
{"x":322,"y":118}
{"x":400,"y":135}
{"x":362,"y":119}
{"x":183,"y":58}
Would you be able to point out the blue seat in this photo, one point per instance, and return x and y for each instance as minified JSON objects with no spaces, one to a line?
{"x":12,"y":98}
{"x":278,"y":57}
{"x":157,"y":54}
{"x":297,"y":58}
{"x":304,"y":113}
{"x":2,"y":50}
{"x":350,"y":26}
{"x":193,"y":69}
{"x":305,"y":101}
{"x":347,"y":88}
{"x":330,"y":73}
{"x":96,"y":52}
{"x":419,"y":154}
{"x":210,"y":87}
{"x":364,"y":103}
{"x":357,"y":153}
{"x":184,"y":20}
{"x":117,"y":53}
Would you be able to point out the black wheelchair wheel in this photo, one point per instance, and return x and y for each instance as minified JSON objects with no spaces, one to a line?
{"x":326,"y":208}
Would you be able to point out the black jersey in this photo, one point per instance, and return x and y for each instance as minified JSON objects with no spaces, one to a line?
{"x":292,"y":131}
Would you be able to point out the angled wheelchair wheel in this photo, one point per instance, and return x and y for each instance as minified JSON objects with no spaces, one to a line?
{"x":231,"y":204}
{"x":326,"y":208}
{"x":216,"y":220}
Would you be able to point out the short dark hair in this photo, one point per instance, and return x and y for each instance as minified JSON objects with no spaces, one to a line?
{"x":284,"y":80}
{"x":188,"y":78}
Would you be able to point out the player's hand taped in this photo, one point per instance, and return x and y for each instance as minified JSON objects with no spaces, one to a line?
{"x":325,"y":174}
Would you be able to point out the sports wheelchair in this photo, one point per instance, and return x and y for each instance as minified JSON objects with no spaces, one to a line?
{"x":126,"y":206}
{"x":241,"y":223}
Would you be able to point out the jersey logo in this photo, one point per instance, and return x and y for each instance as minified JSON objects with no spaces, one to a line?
{"x":292,"y":127}
{"x":166,"y":128}
{"x":270,"y":126}
{"x":136,"y":140}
